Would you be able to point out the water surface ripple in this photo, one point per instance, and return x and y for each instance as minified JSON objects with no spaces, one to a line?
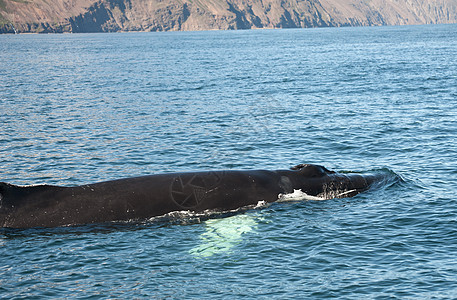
{"x":84,"y":108}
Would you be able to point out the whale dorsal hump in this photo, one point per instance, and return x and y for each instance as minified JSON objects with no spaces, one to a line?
{"x":12,"y":195}
{"x":310,"y":170}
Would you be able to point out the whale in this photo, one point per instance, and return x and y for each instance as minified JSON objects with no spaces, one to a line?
{"x":145,"y":197}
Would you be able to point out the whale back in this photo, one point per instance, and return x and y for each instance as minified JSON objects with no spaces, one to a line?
{"x":141,"y":198}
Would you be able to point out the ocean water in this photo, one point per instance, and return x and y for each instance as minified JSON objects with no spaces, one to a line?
{"x":83,"y":108}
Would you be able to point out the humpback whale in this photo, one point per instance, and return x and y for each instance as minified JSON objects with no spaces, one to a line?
{"x":145,"y":197}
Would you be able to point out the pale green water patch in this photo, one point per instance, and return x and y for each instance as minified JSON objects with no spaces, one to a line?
{"x":224,"y":235}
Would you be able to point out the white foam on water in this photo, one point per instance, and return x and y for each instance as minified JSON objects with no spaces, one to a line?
{"x":298,"y":195}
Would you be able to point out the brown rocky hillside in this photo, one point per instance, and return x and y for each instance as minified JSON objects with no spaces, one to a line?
{"x":161,"y":15}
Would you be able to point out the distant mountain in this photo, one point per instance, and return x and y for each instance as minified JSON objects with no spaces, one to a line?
{"x":162,"y":15}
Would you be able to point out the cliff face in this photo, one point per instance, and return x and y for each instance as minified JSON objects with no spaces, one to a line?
{"x":162,"y":15}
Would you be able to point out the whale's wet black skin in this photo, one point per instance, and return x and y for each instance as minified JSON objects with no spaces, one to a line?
{"x":141,"y":198}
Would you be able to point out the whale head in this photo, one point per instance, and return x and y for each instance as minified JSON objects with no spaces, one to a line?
{"x":316,"y":180}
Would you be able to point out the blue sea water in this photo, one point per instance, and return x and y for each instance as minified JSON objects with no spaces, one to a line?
{"x":84,"y":108}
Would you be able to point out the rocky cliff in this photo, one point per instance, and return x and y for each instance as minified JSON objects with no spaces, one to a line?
{"x":161,"y":15}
